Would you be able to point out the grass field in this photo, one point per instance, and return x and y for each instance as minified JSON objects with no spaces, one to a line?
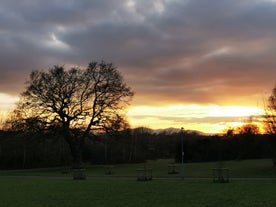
{"x":49,"y":192}
{"x":238,"y":169}
{"x":51,"y":187}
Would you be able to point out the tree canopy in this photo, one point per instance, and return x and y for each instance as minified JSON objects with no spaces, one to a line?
{"x":77,"y":100}
{"x":270,"y":117}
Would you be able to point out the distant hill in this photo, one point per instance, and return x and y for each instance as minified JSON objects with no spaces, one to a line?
{"x":173,"y":130}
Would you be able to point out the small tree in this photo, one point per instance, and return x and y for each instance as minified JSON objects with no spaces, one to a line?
{"x":249,"y":129}
{"x":79,"y":101}
{"x":270,"y":120}
{"x":270,"y":116}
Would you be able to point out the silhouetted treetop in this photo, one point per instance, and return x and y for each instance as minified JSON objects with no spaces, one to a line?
{"x":84,"y":99}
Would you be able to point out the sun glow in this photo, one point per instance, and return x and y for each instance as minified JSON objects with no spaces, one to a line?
{"x":7,"y":103}
{"x":209,"y":119}
{"x":234,"y":111}
{"x":205,"y":118}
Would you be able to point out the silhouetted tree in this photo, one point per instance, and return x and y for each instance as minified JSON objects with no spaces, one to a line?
{"x":270,"y":120}
{"x":139,"y":143}
{"x":270,"y":117}
{"x":25,"y":127}
{"x":248,"y":129}
{"x":79,"y":101}
{"x":230,"y":132}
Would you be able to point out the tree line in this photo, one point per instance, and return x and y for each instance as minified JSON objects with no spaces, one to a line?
{"x":48,"y":148}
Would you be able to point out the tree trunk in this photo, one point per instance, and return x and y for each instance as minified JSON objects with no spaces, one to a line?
{"x":105,"y":152}
{"x":75,"y":141}
{"x":274,"y":161}
{"x":76,"y":152}
{"x":78,"y":171}
{"x":273,"y":144}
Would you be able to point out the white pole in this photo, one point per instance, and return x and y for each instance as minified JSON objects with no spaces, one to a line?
{"x":182,"y":154}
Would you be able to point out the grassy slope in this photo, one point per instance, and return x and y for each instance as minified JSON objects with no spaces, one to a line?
{"x":45,"y":191}
{"x":243,"y":169}
{"x":37,"y":192}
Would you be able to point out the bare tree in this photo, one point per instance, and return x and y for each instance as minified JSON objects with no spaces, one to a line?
{"x":248,"y":129}
{"x":270,"y":120}
{"x":270,"y":116}
{"x":80,"y":101}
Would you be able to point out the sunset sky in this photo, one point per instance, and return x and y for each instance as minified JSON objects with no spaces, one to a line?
{"x":198,"y":64}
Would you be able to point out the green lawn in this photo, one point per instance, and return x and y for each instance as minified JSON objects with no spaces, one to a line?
{"x":238,"y":169}
{"x":49,"y":192}
{"x":55,"y":186}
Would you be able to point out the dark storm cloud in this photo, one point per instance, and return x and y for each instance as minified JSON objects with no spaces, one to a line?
{"x":193,"y":51}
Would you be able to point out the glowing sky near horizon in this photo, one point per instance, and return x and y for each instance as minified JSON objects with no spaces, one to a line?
{"x":199,"y":64}
{"x":209,"y":119}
